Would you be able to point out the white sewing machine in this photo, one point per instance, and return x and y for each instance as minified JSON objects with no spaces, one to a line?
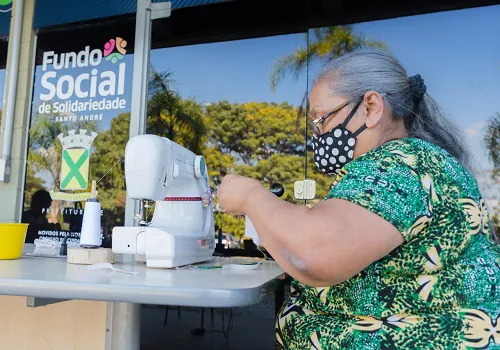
{"x":181,"y":231}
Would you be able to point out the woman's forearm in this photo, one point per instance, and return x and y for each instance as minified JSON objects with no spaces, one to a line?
{"x":320,"y":246}
{"x":283,"y":230}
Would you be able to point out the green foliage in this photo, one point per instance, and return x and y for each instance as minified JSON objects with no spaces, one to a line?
{"x":325,"y":43}
{"x":172,"y":117}
{"x":107,"y":163}
{"x":32,"y":184}
{"x":492,"y":141}
{"x":322,"y":45}
{"x":255,"y":130}
{"x":44,"y":129}
{"x":260,"y":140}
{"x":234,"y":225}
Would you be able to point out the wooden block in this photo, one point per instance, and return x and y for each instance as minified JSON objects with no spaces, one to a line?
{"x":83,"y":256}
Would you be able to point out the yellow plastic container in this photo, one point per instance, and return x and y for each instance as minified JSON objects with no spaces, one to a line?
{"x":12,"y":237}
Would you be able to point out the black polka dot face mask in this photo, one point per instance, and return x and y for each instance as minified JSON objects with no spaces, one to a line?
{"x":335,"y":148}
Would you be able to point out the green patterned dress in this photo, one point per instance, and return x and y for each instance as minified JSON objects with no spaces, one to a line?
{"x":438,"y":290}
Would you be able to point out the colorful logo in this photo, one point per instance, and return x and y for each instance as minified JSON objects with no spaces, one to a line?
{"x":109,"y":49}
{"x":5,"y":5}
{"x":75,"y":159}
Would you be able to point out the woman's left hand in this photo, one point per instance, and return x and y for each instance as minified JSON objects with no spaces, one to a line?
{"x":233,"y":192}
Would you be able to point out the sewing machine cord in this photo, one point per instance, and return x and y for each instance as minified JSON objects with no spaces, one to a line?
{"x":107,"y":172}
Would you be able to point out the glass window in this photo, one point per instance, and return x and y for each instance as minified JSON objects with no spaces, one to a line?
{"x":242,"y":104}
{"x":234,"y":103}
{"x":79,"y":128}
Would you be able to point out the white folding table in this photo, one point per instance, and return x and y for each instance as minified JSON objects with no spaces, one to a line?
{"x":109,"y":302}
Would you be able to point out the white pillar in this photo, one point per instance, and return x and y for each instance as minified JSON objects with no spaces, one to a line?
{"x":146,"y":13}
{"x":11,"y":192}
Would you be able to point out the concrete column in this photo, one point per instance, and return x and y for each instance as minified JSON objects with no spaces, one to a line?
{"x":11,"y":193}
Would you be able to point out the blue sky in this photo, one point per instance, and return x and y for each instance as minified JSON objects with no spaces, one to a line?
{"x":457,"y":53}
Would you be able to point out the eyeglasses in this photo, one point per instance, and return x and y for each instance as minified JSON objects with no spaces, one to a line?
{"x":314,"y":124}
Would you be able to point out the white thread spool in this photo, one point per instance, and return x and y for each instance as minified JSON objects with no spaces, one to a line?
{"x":90,"y":237}
{"x":251,"y":232}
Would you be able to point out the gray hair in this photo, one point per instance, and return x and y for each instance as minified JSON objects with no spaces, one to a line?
{"x":362,"y":70}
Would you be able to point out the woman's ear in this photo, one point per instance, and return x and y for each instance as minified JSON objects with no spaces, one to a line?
{"x":374,"y":106}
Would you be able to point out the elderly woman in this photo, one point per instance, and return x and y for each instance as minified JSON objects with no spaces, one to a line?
{"x":400,"y":253}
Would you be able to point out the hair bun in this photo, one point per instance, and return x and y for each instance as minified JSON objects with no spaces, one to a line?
{"x":417,"y":88}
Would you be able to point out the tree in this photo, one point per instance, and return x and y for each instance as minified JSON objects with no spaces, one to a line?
{"x":254,"y":131}
{"x":32,"y":184}
{"x":259,"y":140}
{"x":492,"y":141}
{"x":326,"y":43}
{"x":169,"y":115}
{"x":107,"y":164}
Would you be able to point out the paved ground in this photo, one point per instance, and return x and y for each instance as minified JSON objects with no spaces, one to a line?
{"x":251,"y":328}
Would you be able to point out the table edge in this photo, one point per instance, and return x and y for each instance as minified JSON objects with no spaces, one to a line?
{"x":237,"y":297}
